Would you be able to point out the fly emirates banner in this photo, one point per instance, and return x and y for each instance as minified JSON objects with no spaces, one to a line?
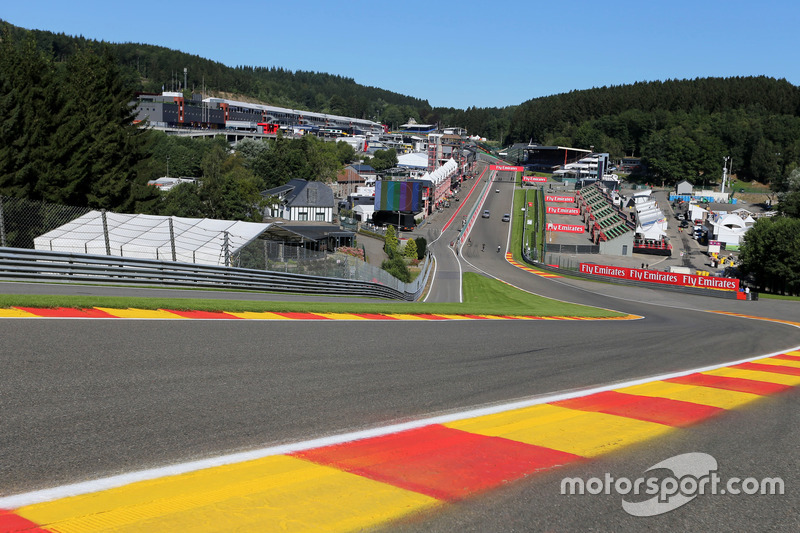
{"x":668,"y":278}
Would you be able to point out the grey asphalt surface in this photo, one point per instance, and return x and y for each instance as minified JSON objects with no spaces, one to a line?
{"x":86,"y":399}
{"x":83,"y":398}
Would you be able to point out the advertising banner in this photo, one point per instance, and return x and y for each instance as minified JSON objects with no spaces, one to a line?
{"x":398,"y":196}
{"x":565,"y":228}
{"x":554,"y":198}
{"x":668,"y":278}
{"x":534,"y":179}
{"x":506,"y":168}
{"x":563,"y":210}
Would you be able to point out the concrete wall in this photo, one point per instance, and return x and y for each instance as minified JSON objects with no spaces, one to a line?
{"x":622,"y":245}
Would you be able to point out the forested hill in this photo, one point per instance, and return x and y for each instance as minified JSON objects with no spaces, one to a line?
{"x":683,"y":128}
{"x":149,"y":68}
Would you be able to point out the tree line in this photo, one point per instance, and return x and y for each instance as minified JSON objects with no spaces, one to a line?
{"x":770,"y":253}
{"x":150,"y":68}
{"x":67,"y":137}
{"x":681,"y":128}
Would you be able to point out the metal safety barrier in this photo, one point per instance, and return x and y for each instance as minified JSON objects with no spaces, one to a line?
{"x":63,"y":267}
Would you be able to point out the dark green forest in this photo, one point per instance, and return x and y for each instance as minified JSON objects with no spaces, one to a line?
{"x":681,"y":128}
{"x":148,"y":68}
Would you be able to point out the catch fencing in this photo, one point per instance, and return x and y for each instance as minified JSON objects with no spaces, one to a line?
{"x":21,"y":221}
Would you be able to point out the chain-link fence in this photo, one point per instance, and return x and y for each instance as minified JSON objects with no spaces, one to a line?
{"x":562,"y":261}
{"x":22,"y":220}
{"x":173,"y":239}
{"x":572,"y":248}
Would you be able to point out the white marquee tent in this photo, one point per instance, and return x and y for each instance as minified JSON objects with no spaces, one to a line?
{"x":197,"y":240}
{"x":413,"y":160}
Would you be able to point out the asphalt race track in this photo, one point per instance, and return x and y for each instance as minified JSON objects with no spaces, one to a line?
{"x":83,"y":399}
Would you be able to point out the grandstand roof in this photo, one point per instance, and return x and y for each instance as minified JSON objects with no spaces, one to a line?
{"x":540,"y":147}
{"x":197,"y":240}
{"x":277,"y":109}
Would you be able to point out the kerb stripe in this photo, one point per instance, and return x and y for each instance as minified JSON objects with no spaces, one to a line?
{"x":659,"y":410}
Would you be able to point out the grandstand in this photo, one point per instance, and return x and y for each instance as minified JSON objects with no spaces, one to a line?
{"x":605,"y":221}
{"x":550,"y":158}
{"x":170,"y":110}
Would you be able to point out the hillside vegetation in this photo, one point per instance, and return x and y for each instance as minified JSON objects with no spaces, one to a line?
{"x":681,"y":128}
{"x":150,"y":68}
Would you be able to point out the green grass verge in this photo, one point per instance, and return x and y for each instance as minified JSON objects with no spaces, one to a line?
{"x":482,"y":296}
{"x":487,"y":293}
{"x":778,"y":296}
{"x":518,"y":222}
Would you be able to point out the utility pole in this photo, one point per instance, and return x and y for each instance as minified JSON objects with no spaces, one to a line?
{"x":724,"y":172}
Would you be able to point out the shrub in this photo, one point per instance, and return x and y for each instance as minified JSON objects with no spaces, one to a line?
{"x":422,"y":246}
{"x":397,"y":268}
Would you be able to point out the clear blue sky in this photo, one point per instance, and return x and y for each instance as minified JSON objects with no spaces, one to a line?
{"x":457,"y":54}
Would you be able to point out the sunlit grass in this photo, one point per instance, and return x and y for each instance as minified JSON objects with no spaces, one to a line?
{"x":481,"y":296}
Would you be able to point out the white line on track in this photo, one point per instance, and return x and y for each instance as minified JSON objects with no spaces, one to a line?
{"x":88,"y":487}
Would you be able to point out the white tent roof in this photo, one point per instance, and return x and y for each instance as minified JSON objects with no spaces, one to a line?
{"x":650,"y":231}
{"x":645,"y":206}
{"x":197,"y":240}
{"x":413,"y":160}
{"x":442,"y":173}
{"x":364,"y":210}
{"x":650,"y":216}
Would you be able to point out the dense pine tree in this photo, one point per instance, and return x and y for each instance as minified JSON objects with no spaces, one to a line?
{"x":27,"y":104}
{"x":67,"y":128}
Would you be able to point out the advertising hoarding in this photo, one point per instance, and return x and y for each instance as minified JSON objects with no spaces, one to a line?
{"x":565,"y":228}
{"x":668,"y":278}
{"x":556,"y":198}
{"x":506,"y":168}
{"x":398,"y":196}
{"x":563,"y":210}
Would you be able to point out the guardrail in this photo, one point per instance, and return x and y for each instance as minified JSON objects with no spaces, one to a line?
{"x":37,"y":265}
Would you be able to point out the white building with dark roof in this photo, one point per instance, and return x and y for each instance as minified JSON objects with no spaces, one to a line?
{"x":301,"y":200}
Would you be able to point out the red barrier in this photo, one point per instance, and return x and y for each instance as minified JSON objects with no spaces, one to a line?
{"x":534,"y":179}
{"x":506,"y":168}
{"x":563,"y":210}
{"x":667,"y":278}
{"x":554,"y":198}
{"x":565,"y":228}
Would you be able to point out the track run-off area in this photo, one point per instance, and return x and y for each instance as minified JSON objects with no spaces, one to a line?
{"x":169,"y":420}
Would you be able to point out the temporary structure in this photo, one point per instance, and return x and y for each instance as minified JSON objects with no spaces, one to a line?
{"x":189,"y":240}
